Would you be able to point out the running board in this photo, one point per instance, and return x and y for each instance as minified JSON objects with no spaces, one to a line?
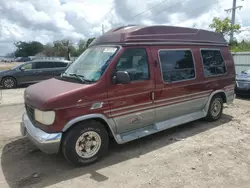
{"x":157,"y":127}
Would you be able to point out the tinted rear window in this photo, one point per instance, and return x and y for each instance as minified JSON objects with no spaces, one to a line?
{"x":60,"y":64}
{"x":43,"y":65}
{"x":177,"y":65}
{"x":213,"y":62}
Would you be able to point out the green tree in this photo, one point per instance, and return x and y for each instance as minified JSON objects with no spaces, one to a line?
{"x":25,"y":49}
{"x":243,"y":46}
{"x":64,"y":48}
{"x":89,"y":42}
{"x":224,"y":26}
{"x":81,"y":47}
{"x":49,"y":50}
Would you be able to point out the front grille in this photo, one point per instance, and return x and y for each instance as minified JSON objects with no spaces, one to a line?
{"x":30,"y":112}
{"x":243,"y":84}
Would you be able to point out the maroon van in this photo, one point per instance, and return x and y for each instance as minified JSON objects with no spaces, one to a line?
{"x":131,"y":82}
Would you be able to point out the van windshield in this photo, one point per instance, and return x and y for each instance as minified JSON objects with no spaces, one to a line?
{"x":91,"y":64}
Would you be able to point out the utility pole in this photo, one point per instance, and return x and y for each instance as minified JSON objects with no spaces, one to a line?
{"x":233,"y":20}
{"x":233,"y":9}
{"x":102,"y":29}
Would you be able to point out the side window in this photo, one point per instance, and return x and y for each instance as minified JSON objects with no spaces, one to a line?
{"x":60,"y":64}
{"x":27,"y":66}
{"x":213,"y":63}
{"x":43,"y":65}
{"x":177,"y":65}
{"x":135,"y":62}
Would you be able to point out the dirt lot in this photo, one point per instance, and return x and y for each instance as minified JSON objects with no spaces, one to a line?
{"x":5,"y":66}
{"x":11,"y":96}
{"x":197,"y":154}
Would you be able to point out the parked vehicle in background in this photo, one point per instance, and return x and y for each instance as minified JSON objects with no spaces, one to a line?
{"x":22,"y":59}
{"x":131,"y":82}
{"x":32,"y":72}
{"x":243,"y":83}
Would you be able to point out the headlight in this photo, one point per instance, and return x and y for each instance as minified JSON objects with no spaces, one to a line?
{"x":46,"y":118}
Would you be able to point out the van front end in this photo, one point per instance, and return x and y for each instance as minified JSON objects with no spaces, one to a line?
{"x":47,"y":142}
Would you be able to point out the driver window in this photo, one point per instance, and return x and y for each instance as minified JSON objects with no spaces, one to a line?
{"x":27,"y":66}
{"x":135,"y":62}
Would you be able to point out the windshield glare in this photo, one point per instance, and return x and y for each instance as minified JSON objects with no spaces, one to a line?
{"x":92,"y":63}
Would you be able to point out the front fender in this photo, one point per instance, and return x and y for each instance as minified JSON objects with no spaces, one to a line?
{"x":109,"y":122}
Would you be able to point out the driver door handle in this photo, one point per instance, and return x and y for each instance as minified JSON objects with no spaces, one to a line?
{"x":153,"y":96}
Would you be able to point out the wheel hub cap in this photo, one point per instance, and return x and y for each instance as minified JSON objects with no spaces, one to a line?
{"x":216,"y":108}
{"x":9,"y":83}
{"x":88,"y":144}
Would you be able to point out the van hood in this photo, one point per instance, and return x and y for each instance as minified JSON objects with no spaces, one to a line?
{"x":53,"y":93}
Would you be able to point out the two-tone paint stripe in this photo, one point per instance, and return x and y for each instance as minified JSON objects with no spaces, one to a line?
{"x":182,"y":100}
{"x":186,"y":96}
{"x":127,"y":107}
{"x":229,"y":88}
{"x":159,"y":103}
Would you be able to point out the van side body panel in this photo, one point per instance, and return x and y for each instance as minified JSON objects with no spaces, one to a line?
{"x":174,"y":99}
{"x":185,"y":101}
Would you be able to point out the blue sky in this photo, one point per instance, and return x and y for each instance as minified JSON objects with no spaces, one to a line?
{"x":63,"y":1}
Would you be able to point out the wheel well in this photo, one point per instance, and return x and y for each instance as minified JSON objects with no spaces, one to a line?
{"x":223,"y":96}
{"x":105,"y":125}
{"x":9,"y":77}
{"x":95,"y":119}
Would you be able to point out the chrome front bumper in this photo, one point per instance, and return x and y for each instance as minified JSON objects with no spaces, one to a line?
{"x":48,"y":143}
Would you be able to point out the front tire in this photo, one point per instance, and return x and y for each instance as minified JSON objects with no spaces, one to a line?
{"x":215,"y":108}
{"x":9,"y":83}
{"x":86,"y":143}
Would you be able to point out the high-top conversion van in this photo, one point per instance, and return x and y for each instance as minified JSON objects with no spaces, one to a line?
{"x":131,"y":82}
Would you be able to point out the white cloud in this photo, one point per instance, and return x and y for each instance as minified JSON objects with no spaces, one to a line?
{"x":48,"y":20}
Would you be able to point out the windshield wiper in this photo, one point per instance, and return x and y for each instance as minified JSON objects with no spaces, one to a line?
{"x":72,"y":76}
{"x":79,"y":77}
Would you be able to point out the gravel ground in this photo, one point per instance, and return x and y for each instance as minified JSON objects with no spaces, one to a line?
{"x":11,"y":96}
{"x":198,"y":154}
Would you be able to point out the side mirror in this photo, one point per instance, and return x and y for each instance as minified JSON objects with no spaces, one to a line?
{"x":22,"y":68}
{"x":121,"y":77}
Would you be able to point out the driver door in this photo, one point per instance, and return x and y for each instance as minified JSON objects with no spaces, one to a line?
{"x":132,"y":104}
{"x":26,"y":73}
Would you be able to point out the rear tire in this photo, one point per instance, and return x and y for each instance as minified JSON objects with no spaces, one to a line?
{"x":215,"y":108}
{"x":9,"y":83}
{"x":86,"y":143}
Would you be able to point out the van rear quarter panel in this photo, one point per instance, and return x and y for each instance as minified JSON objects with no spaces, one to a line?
{"x":188,"y":96}
{"x":220,"y":81}
{"x":213,"y":82}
